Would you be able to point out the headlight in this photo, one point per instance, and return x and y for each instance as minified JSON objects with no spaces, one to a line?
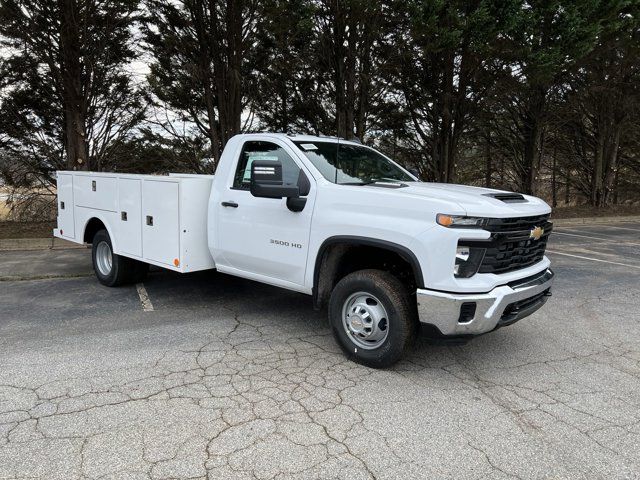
{"x":456,"y":221}
{"x":468,"y":261}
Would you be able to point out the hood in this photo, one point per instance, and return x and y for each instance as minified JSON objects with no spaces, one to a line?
{"x":477,"y":201}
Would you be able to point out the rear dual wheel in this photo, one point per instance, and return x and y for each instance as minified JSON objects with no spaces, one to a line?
{"x":372,"y":317}
{"x":112,"y":269}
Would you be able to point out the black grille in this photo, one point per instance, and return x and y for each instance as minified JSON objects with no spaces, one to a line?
{"x":500,"y":225}
{"x":511,"y":246}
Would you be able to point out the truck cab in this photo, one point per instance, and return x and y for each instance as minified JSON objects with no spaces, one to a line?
{"x":385,"y":253}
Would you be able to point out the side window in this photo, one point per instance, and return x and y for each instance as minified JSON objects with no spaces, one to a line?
{"x":252,"y":151}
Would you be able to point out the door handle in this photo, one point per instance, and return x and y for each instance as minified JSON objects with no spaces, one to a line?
{"x":229,"y":204}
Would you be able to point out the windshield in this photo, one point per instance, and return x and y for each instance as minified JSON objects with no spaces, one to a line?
{"x":351,"y":164}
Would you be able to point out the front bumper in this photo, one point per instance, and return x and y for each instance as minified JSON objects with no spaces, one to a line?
{"x":474,"y":314}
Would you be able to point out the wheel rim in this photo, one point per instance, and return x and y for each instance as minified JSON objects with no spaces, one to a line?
{"x":104,"y":258}
{"x":365,"y":320}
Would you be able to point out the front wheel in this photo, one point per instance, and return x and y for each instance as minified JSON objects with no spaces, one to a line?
{"x":372,"y":317}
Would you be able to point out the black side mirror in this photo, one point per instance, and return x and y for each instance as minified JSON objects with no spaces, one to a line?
{"x":266,"y":181}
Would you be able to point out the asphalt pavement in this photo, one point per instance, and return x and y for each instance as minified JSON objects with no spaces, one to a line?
{"x":209,"y":376}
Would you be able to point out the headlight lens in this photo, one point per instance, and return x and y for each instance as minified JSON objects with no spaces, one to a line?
{"x":457,"y":221}
{"x":468,"y":261}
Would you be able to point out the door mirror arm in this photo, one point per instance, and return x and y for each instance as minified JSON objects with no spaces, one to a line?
{"x":296,"y":204}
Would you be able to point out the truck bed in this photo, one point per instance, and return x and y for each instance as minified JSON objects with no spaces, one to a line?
{"x":161,"y":220}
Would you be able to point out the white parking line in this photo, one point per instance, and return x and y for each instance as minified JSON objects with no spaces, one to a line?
{"x":592,"y":259}
{"x":618,"y":228}
{"x":613,"y":240}
{"x":147,"y":306}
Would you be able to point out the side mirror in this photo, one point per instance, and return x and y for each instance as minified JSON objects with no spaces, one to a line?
{"x":266,"y":181}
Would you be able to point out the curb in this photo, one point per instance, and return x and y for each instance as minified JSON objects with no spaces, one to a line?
{"x":560,"y":222}
{"x":51,"y":243}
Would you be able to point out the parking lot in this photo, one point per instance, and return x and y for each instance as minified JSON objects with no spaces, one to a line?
{"x":210,"y":376}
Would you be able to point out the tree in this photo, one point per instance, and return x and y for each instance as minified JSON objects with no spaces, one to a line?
{"x":601,"y":105}
{"x":442,"y":72}
{"x":349,"y":34}
{"x":287,"y":78}
{"x":202,"y":51}
{"x":545,"y":41}
{"x":64,"y":80}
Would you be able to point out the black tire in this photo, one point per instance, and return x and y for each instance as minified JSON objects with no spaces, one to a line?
{"x":402,"y":319}
{"x":121,"y":267}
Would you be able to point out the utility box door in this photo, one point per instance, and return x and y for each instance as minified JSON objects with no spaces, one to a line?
{"x":97,"y":192}
{"x":161,"y":221}
{"x":130,"y":216}
{"x":66,"y":221}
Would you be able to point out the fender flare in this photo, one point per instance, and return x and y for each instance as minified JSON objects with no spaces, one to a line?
{"x":405,"y":253}
{"x":114,"y":244}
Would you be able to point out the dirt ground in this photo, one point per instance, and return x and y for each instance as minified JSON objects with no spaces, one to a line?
{"x":589,"y":211}
{"x":10,"y":229}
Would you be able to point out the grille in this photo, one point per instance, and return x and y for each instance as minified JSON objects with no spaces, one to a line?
{"x":499,"y":225}
{"x":511,"y":247}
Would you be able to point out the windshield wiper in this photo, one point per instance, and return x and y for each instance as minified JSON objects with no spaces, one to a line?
{"x":358,"y":183}
{"x":380,"y":183}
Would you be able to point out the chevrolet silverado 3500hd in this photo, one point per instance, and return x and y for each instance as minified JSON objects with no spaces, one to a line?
{"x":333,"y":219}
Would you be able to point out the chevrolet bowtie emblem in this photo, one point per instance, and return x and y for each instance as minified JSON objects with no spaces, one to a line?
{"x":536,"y":233}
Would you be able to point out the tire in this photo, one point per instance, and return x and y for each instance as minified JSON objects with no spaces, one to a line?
{"x":115,"y":272}
{"x":372,"y":317}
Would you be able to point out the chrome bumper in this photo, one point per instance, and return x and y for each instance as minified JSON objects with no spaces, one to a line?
{"x":443,"y":310}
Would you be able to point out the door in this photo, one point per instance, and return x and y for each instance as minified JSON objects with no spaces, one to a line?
{"x":97,"y":192}
{"x":66,"y":220}
{"x":130,"y":216}
{"x":161,"y":221}
{"x":261,"y":235}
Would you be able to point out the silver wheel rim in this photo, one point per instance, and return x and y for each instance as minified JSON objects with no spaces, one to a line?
{"x":104,"y":258}
{"x":365,"y":320}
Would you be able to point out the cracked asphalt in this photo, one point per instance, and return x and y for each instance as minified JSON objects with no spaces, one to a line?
{"x":228,"y":379}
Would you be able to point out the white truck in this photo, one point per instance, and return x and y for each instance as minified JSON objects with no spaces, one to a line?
{"x":333,"y":219}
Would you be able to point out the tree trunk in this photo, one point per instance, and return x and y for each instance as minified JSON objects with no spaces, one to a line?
{"x":487,"y":156}
{"x":533,"y":125}
{"x":211,"y":115}
{"x":532,"y":143}
{"x":612,"y":168}
{"x":199,"y":14}
{"x":598,"y":166}
{"x":228,"y":70}
{"x":76,"y":145}
{"x":350,"y":70}
{"x":615,"y":186}
{"x":445,"y":167}
{"x":554,"y":190}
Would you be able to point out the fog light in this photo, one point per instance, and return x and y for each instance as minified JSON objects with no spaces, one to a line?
{"x":462,"y":254}
{"x":468,"y":261}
